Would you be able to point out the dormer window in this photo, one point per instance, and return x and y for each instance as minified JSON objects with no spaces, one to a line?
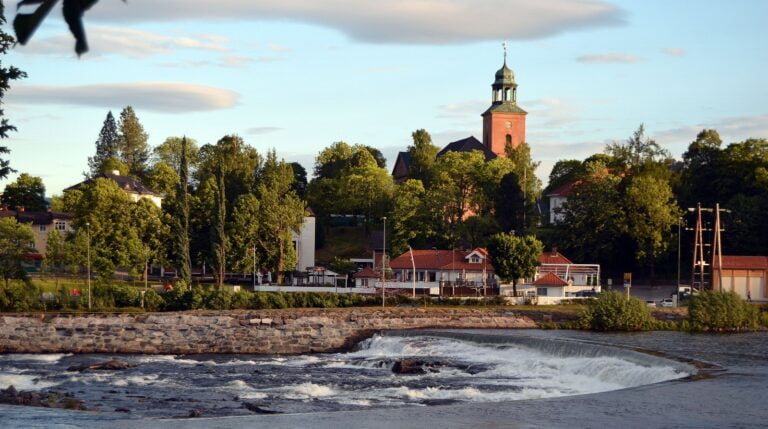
{"x":474,"y":260}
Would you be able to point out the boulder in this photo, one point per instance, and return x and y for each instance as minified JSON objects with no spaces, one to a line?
{"x":110,"y":365}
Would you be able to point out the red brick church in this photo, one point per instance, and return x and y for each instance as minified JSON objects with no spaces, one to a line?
{"x":503,"y":124}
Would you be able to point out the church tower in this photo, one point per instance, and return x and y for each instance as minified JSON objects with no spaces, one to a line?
{"x":504,"y":121}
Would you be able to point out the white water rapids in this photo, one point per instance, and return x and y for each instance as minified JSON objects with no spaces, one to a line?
{"x":456,"y":369}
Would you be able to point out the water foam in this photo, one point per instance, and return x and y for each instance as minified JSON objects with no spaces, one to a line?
{"x":24,"y":382}
{"x":308,"y":391}
{"x":44,"y":358}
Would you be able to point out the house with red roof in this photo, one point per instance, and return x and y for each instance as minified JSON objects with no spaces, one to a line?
{"x":744,"y":275}
{"x":558,"y":278}
{"x":435,"y":270}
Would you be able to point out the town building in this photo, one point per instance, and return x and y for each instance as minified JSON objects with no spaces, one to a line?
{"x":503,"y":125}
{"x":557,"y":278}
{"x":304,"y":243}
{"x":556,"y":198}
{"x":443,"y":272}
{"x":131,"y":186}
{"x":42,"y":223}
{"x":744,"y":275}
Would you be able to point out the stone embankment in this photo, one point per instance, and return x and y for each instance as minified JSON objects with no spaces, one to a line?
{"x":259,"y":332}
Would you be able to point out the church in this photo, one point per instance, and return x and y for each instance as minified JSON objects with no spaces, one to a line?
{"x":503,"y":124}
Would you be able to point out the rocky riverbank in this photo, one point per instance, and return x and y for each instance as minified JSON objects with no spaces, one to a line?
{"x":291,"y":331}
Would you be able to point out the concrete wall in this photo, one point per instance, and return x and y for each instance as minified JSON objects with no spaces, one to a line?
{"x":258,"y":332}
{"x":305,"y":244}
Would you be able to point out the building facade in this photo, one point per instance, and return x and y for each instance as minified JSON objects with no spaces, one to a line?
{"x":744,"y":275}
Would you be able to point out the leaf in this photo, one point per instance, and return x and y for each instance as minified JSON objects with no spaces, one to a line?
{"x":25,"y":24}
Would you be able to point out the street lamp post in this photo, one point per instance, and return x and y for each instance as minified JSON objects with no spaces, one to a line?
{"x":384,"y":261}
{"x":88,"y":259}
{"x":679,"y":225}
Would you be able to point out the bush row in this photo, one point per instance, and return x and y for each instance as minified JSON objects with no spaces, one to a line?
{"x":110,"y":297}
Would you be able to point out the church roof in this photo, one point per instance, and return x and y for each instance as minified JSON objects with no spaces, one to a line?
{"x":505,"y":76}
{"x":467,"y":145}
{"x":504,"y":107}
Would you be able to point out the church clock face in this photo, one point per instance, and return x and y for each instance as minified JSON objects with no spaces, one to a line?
{"x":508,"y":124}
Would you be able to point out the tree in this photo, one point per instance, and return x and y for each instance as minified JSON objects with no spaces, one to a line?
{"x":453,"y":195}
{"x":343,"y":266}
{"x":423,"y":155}
{"x":651,"y":214}
{"x":106,"y":213}
{"x":409,"y":221}
{"x":638,"y":152}
{"x":180,"y":231}
{"x":299,"y":179}
{"x":171,"y":150}
{"x":514,"y":257}
{"x":107,"y":146}
{"x":565,"y":171}
{"x":15,"y":240}
{"x":163,"y":179}
{"x":153,"y":232}
{"x":525,"y":168}
{"x":7,"y":74}
{"x":594,"y":219}
{"x":282,"y":213}
{"x":241,"y":165}
{"x":244,"y":231}
{"x":134,"y":150}
{"x":512,"y":212}
{"x":219,"y":242}
{"x":367,"y":190}
{"x":56,"y":254}
{"x":27,"y":191}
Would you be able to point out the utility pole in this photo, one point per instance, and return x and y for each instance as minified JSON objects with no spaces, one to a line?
{"x":254,"y":267}
{"x":413,"y":264}
{"x":383,"y":261}
{"x":700,"y":263}
{"x":679,"y":226}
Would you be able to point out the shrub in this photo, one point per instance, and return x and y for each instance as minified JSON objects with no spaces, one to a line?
{"x":722,"y":311}
{"x":612,"y":311}
{"x":153,"y":301}
{"x":20,"y":297}
{"x":240,"y":300}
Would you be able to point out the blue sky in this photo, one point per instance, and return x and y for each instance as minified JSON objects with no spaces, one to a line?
{"x":297,"y":75}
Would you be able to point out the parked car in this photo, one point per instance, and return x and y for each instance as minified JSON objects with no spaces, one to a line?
{"x":651,"y":303}
{"x":587,"y":293}
{"x":668,"y":303}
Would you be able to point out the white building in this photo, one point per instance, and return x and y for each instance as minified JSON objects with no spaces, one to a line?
{"x":557,"y":198}
{"x":132,"y":187}
{"x":304,"y":243}
{"x":557,"y":278}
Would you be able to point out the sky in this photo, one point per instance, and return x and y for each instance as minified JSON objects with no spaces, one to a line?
{"x":298,"y":75}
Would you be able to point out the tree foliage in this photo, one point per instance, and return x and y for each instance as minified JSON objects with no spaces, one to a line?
{"x":7,"y":74}
{"x":27,"y":192}
{"x":514,"y":257}
{"x":15,"y":244}
{"x":134,"y":150}
{"x":107,"y":147}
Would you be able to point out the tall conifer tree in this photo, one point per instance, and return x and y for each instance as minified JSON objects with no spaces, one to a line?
{"x":107,"y":146}
{"x":7,"y":74}
{"x":182,"y":218}
{"x":134,"y":150}
{"x":219,"y":233}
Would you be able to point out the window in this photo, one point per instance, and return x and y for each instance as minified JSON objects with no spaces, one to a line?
{"x":432,"y":276}
{"x":61,"y":225}
{"x":474,"y":260}
{"x":420,"y":276}
{"x":43,"y":228}
{"x":364,"y":282}
{"x":509,"y":139}
{"x":541,"y":291}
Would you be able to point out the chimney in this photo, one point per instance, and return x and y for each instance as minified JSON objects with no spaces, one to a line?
{"x":20,"y":209}
{"x":115,"y":172}
{"x":554,"y":250}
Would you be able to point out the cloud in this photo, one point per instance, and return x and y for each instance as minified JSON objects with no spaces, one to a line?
{"x":731,"y":129}
{"x":391,"y":21}
{"x":463,"y":109}
{"x":167,"y":97}
{"x":550,"y":112}
{"x":126,"y":42}
{"x":254,"y":131}
{"x":674,"y":52}
{"x":613,"y":57}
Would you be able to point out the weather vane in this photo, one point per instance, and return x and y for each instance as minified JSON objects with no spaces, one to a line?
{"x":504,"y":45}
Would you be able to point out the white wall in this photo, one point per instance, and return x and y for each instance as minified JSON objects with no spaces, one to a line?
{"x":305,"y":244}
